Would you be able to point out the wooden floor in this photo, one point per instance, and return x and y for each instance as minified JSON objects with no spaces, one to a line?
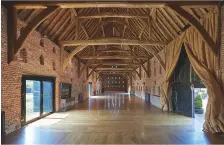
{"x":114,"y":119}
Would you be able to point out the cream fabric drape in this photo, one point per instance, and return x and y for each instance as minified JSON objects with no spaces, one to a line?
{"x":172,"y":52}
{"x":205,"y":64}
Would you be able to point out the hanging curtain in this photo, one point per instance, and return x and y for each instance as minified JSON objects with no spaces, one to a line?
{"x":205,"y":64}
{"x":172,"y":52}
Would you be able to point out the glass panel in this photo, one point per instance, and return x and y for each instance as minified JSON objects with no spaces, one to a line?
{"x":32,"y":99}
{"x":90,"y":90}
{"x":47,"y":97}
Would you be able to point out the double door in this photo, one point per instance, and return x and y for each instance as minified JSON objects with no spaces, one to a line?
{"x":37,"y":97}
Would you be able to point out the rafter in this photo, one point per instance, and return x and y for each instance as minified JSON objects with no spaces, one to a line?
{"x":84,"y":30}
{"x":149,"y":26}
{"x":102,"y":27}
{"x":126,"y":25}
{"x":63,"y":25}
{"x":77,"y":24}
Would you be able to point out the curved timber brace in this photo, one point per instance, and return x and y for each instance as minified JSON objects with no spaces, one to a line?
{"x":133,"y":75}
{"x":93,"y":70}
{"x":156,"y":55}
{"x":16,"y":44}
{"x":151,"y":51}
{"x":134,"y":70}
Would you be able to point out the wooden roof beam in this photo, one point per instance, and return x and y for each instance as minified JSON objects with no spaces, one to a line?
{"x":114,"y":64}
{"x":111,"y":41}
{"x":116,"y":72}
{"x":112,"y":57}
{"x":114,"y":51}
{"x":113,"y":15}
{"x":114,"y":69}
{"x":44,"y":4}
{"x":98,"y":64}
{"x":71,"y":4}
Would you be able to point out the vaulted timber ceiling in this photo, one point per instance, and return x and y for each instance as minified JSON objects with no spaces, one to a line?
{"x":153,"y":22}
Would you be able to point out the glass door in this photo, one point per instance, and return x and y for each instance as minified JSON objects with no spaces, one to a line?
{"x":37,"y":97}
{"x":47,"y":97}
{"x":90,"y":89}
{"x":33,"y":92}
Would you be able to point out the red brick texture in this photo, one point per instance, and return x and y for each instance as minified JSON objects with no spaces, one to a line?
{"x":115,"y":83}
{"x":28,"y":63}
{"x":149,"y":84}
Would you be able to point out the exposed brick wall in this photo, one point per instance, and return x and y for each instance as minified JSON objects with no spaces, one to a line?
{"x":28,"y":63}
{"x":116,"y":83}
{"x":152,"y":84}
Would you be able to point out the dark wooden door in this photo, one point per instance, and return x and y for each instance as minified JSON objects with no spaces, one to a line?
{"x":182,"y":98}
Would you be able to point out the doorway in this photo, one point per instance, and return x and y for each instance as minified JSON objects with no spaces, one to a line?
{"x":189,"y":94}
{"x":37,"y":97}
{"x":90,"y":89}
{"x":182,"y":98}
{"x":200,"y":97}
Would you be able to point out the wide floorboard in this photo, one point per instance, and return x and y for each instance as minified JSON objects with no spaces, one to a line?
{"x":114,"y":118}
